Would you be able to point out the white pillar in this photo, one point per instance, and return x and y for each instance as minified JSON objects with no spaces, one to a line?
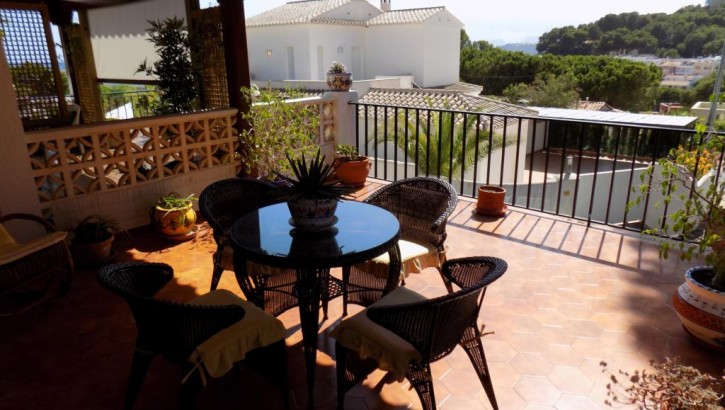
{"x":16,"y":184}
{"x":344,"y":115}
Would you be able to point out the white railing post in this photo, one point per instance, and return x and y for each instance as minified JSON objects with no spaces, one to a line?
{"x":344,"y":115}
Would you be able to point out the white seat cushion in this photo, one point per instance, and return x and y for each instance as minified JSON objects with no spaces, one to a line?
{"x":257,"y":329}
{"x":370,"y":340}
{"x":11,"y":251}
{"x":414,"y":258}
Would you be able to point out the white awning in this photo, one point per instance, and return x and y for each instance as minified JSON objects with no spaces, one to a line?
{"x":118,"y":36}
{"x":616,"y":117}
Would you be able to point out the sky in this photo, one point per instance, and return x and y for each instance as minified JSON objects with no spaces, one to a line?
{"x":511,"y":21}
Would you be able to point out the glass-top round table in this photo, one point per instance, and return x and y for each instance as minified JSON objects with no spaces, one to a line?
{"x":266,"y":236}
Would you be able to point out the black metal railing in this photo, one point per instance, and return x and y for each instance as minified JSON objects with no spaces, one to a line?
{"x":586,"y":170}
{"x":128,"y":104}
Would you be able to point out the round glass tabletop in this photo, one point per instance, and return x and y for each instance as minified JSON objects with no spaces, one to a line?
{"x":362,"y":232}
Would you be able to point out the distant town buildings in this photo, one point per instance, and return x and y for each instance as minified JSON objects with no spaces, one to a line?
{"x":681,"y":72}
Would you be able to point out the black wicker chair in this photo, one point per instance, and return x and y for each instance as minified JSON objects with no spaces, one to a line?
{"x":221,"y":204}
{"x":35,"y":271}
{"x":429,"y":329}
{"x":422,"y":206}
{"x":176,"y":330}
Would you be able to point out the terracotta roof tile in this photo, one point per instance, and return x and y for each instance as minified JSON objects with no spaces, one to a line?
{"x":441,"y":99}
{"x":405,"y":16}
{"x":295,"y":12}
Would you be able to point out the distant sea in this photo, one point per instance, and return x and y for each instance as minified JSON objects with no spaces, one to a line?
{"x":528,"y":48}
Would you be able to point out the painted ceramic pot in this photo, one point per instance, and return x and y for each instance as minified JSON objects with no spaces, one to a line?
{"x":701,"y":308}
{"x":339,"y":82}
{"x":311,"y":214}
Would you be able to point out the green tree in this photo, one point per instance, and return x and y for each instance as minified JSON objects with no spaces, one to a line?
{"x":35,"y":79}
{"x":549,"y":90}
{"x":177,"y":83}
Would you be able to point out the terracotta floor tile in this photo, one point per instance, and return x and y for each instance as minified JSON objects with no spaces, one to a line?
{"x":573,"y":296}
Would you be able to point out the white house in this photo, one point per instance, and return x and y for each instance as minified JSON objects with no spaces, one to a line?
{"x":299,"y":40}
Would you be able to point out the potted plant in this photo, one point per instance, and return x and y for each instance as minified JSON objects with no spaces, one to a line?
{"x":92,"y":239}
{"x":338,"y":77}
{"x":174,"y":216}
{"x":691,"y":183}
{"x":490,"y":200}
{"x":278,"y":128}
{"x":670,"y":386}
{"x":176,"y":75}
{"x":351,"y":168}
{"x":312,"y":193}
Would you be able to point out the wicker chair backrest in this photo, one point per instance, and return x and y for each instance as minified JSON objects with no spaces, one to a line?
{"x":168,"y":328}
{"x":422,"y":206}
{"x":223,"y":202}
{"x":434,"y":327}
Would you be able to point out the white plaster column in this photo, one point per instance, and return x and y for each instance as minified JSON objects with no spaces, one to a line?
{"x":344,"y":115}
{"x":16,"y":180}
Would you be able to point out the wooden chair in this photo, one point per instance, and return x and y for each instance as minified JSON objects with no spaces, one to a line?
{"x":34,"y":271}
{"x":423,"y":331}
{"x":422,"y":206}
{"x":206,"y":335}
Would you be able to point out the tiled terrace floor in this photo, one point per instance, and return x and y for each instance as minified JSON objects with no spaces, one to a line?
{"x":571,"y":298}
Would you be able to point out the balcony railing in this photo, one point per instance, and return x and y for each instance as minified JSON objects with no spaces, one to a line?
{"x":128,"y":104}
{"x":585,"y":170}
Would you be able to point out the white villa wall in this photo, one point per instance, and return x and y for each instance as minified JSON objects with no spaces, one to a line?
{"x":337,"y":45}
{"x":277,"y":38}
{"x":396,"y":50}
{"x":441,"y":60}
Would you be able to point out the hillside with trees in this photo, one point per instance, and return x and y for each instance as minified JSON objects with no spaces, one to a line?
{"x":692,"y":31}
{"x":558,"y":81}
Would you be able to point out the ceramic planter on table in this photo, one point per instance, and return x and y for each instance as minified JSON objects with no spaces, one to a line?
{"x":352,"y":172}
{"x":312,"y":214}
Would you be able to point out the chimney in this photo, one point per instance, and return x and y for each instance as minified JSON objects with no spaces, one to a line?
{"x":385,"y":5}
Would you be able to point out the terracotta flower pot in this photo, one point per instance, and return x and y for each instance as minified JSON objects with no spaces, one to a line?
{"x":701,"y":308}
{"x":93,"y":253}
{"x":491,"y":200}
{"x":353,"y":173}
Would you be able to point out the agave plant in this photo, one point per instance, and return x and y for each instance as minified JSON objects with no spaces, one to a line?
{"x":312,"y":179}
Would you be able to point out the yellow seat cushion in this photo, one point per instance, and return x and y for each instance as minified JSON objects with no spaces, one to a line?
{"x":370,"y":340}
{"x":11,"y":251}
{"x":257,"y":329}
{"x":414,"y":258}
{"x":252,"y":267}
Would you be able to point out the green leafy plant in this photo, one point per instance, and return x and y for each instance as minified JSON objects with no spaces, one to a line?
{"x":337,"y":68}
{"x":175,"y":202}
{"x":348,"y":153}
{"x":444,"y":129}
{"x":278,"y":129}
{"x":177,"y":87}
{"x":671,"y":386}
{"x":311,"y":179}
{"x":699,"y":221}
{"x":94,"y":229}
